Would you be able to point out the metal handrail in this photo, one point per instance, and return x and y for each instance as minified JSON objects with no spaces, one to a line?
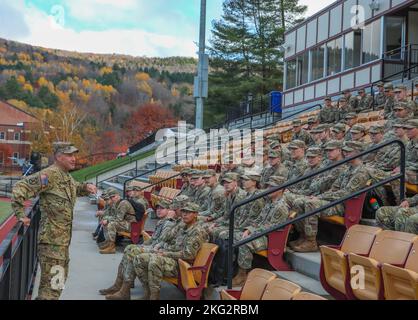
{"x":232,"y":245}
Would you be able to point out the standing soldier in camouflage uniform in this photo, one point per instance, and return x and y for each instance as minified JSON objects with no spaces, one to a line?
{"x":215,"y":199}
{"x":352,"y":101}
{"x":124,"y":216}
{"x":57,"y":192}
{"x":365,"y":103}
{"x":351,"y":119}
{"x":403,"y":218}
{"x":338,"y":132}
{"x":186,"y":188}
{"x":328,"y":112}
{"x":233,"y":194}
{"x":165,"y":263}
{"x":274,"y":213}
{"x":351,"y":180}
{"x":380,"y":98}
{"x":390,"y":101}
{"x":125,"y":279}
{"x":301,"y":134}
{"x":274,"y":168}
{"x":201,"y":190}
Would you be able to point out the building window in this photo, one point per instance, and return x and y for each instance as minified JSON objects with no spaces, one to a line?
{"x":15,"y":156}
{"x":371,"y":42}
{"x":302,"y":68}
{"x":334,"y":53}
{"x":318,"y":63}
{"x":17,"y":136}
{"x":352,"y":49}
{"x":291,"y":74}
{"x":2,"y":136}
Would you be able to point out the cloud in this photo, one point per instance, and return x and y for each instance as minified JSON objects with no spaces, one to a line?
{"x":12,"y":24}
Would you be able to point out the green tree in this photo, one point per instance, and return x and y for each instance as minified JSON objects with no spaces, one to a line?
{"x":49,"y":98}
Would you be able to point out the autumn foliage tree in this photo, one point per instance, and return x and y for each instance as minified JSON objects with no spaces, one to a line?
{"x":146,"y":120}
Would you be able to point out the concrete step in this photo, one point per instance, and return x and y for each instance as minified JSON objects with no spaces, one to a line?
{"x":308,"y":284}
{"x":305,"y":263}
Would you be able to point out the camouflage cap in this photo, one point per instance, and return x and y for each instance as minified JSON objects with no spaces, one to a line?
{"x":399,"y":123}
{"x":276,"y":181}
{"x":196,"y":174}
{"x":320,"y":128}
{"x":165,"y":204}
{"x":339,"y":127}
{"x":327,"y":98}
{"x":411,"y":124}
{"x":251,"y":175}
{"x":400,"y":87}
{"x":209,"y":173}
{"x":357,"y":128}
{"x":343,"y":99}
{"x":361,"y":90}
{"x":388,"y":86}
{"x":191,"y":207}
{"x":112,"y":192}
{"x":380,"y":84}
{"x":376,"y":129}
{"x":273,"y":137}
{"x":333,"y":144}
{"x":350,"y":115}
{"x":350,"y":146}
{"x":296,"y":122}
{"x":185,"y":171}
{"x":137,"y":188}
{"x":312,"y":120}
{"x":297,"y":144}
{"x":274,"y":145}
{"x":104,"y":195}
{"x":404,"y":105}
{"x":179,"y":202}
{"x":346,"y":91}
{"x":129,"y":188}
{"x":314,"y":152}
{"x":230,"y":176}
{"x":64,"y":147}
{"x":274,"y":154}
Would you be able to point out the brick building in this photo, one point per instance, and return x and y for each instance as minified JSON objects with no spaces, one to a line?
{"x":15,"y":131}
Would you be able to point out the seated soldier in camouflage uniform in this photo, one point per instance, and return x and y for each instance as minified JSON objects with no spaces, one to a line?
{"x":358,"y":133}
{"x":353,"y":179}
{"x":328,"y":112}
{"x":313,"y":122}
{"x":411,"y":128}
{"x":401,"y":95}
{"x":277,"y":146}
{"x":201,"y":190}
{"x":245,"y":214}
{"x":402,"y":218}
{"x":275,"y":167}
{"x":401,"y":111}
{"x":151,"y":268}
{"x":301,"y":134}
{"x":380,"y":97}
{"x":390,"y":101}
{"x":233,"y":194}
{"x":365,"y":103}
{"x":342,"y":109}
{"x":124,"y":216}
{"x":352,"y":100}
{"x":138,"y":195}
{"x":215,"y":198}
{"x":376,"y":135}
{"x":338,"y":132}
{"x":274,"y":212}
{"x":186,"y":188}
{"x":298,"y":164}
{"x":351,"y":120}
{"x":100,"y":213}
{"x":392,"y":158}
{"x":120,"y":290}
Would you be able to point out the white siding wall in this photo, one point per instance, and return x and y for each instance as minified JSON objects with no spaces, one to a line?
{"x":334,"y":86}
{"x":309,"y":93}
{"x":298,"y":96}
{"x":347,"y":81}
{"x":362,"y":77}
{"x":376,"y":73}
{"x":321,"y":89}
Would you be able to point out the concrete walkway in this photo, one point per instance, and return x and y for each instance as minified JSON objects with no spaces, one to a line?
{"x":90,"y":271}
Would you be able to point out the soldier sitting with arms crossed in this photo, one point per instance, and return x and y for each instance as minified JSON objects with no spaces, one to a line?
{"x":58,"y":193}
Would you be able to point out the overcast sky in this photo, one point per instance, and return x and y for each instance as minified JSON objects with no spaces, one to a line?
{"x":135,"y":27}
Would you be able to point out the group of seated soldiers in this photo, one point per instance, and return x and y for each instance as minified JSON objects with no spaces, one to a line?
{"x":200,"y":213}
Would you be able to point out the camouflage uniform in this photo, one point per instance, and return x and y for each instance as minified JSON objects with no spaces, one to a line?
{"x":272,"y":214}
{"x":400,"y":219}
{"x":365,"y":104}
{"x":200,"y":196}
{"x":278,"y":170}
{"x":296,"y":170}
{"x":302,"y":134}
{"x":352,"y":104}
{"x":57,"y":192}
{"x":151,"y":268}
{"x":215,"y":202}
{"x":124,"y":216}
{"x":380,"y":100}
{"x":327,"y":115}
{"x":390,"y":103}
{"x":186,"y":190}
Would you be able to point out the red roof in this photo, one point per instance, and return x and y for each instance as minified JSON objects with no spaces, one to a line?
{"x":11,"y":115}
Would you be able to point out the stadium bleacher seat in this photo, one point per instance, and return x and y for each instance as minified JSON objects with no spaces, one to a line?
{"x":162,"y":175}
{"x":402,"y":283}
{"x":279,"y":289}
{"x":334,"y":271}
{"x":194,"y":279}
{"x":307,"y":296}
{"x":166,"y":194}
{"x":411,"y":188}
{"x":391,"y":247}
{"x":253,"y":288}
{"x":136,"y":230}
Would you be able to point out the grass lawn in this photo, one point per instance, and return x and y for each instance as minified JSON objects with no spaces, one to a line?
{"x":5,"y":211}
{"x":90,"y":172}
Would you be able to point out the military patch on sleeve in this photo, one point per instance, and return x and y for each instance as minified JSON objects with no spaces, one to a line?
{"x":44,"y":180}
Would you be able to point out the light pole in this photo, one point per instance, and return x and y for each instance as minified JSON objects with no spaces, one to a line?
{"x":201,"y":81}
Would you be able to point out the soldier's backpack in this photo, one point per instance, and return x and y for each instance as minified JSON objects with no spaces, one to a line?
{"x":219,"y":269}
{"x":139,"y":209}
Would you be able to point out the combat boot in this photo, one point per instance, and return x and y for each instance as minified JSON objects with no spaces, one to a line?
{"x":154,"y":295}
{"x":123,"y":294}
{"x":110,"y":249}
{"x":240,"y":278}
{"x":115,"y":287}
{"x":147,"y":293}
{"x":309,"y":245}
{"x":298,"y":241}
{"x":103,"y":244}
